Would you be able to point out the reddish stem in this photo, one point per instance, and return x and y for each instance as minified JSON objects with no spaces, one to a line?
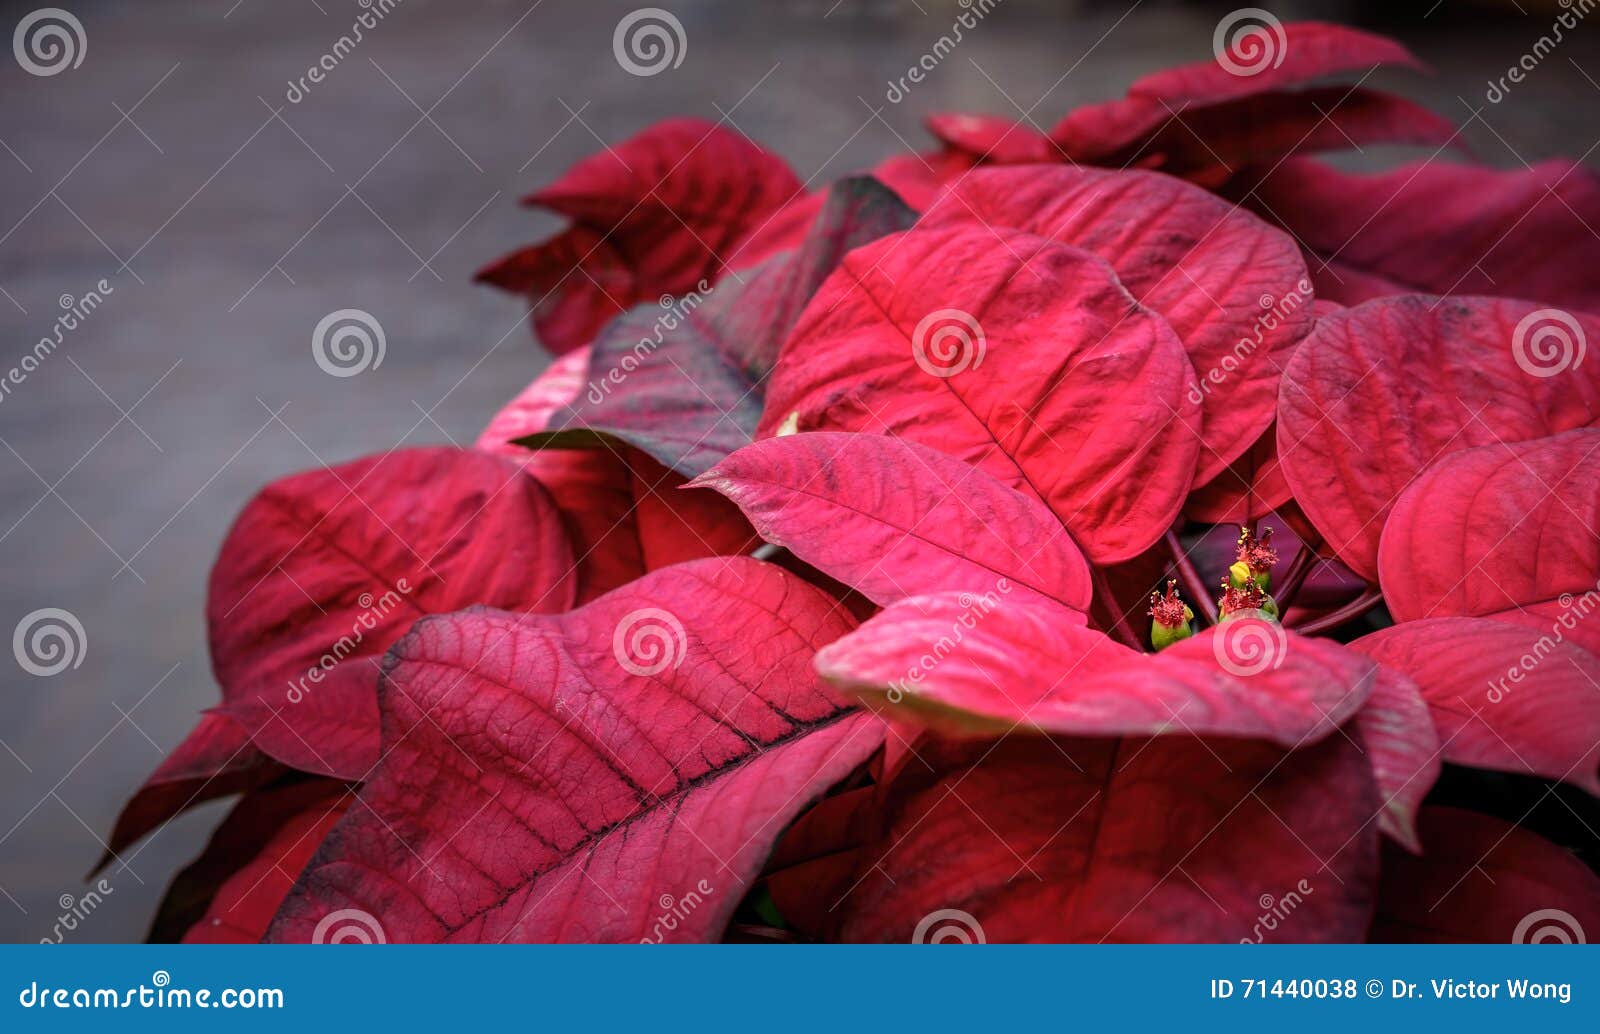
{"x":1193,"y":584}
{"x":1102,"y":589}
{"x":1299,"y":570}
{"x":1349,"y":612}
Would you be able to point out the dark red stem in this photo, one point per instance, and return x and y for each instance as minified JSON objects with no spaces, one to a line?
{"x":1102,"y":589}
{"x":1349,"y":612}
{"x":1193,"y":584}
{"x":1299,"y":570}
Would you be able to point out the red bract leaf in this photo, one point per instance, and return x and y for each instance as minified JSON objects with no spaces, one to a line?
{"x":1305,"y":51}
{"x":244,"y":904}
{"x":1210,"y":144}
{"x":1233,"y":288}
{"x":1250,"y":488}
{"x":1398,"y":733}
{"x":991,"y":664}
{"x":989,"y":138}
{"x":559,"y":778}
{"x":684,"y":383}
{"x":216,"y":759}
{"x":1176,"y":839}
{"x":1443,"y":228}
{"x":621,"y":509}
{"x":667,"y":204}
{"x":815,"y":862}
{"x":1378,"y":392}
{"x":1025,"y":358}
{"x":324,"y":570}
{"x":576,"y":282}
{"x":1500,"y":528}
{"x":1483,"y":881}
{"x":891,"y":518}
{"x":919,"y":178}
{"x":1501,"y":696}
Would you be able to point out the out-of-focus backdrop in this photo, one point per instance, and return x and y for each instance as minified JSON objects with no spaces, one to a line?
{"x":171,"y":160}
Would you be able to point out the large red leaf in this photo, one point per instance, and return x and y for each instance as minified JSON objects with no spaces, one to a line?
{"x":216,"y":759}
{"x":1483,"y":881}
{"x":684,"y":383}
{"x":989,"y":138}
{"x":576,"y":282}
{"x":1502,"y":697}
{"x":992,"y":665}
{"x":1500,"y":528}
{"x":1398,"y":734}
{"x":1234,"y":289}
{"x":616,"y":773}
{"x":1025,"y":358}
{"x":290,"y":823}
{"x":1439,"y":227}
{"x":622,"y":510}
{"x":1305,"y":51}
{"x":1250,"y":488}
{"x":656,"y":213}
{"x":1378,"y":392}
{"x":891,"y":518}
{"x":1173,"y":839}
{"x":323,"y":570}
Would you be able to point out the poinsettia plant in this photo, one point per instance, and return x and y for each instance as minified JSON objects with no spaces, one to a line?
{"x":1133,"y":531}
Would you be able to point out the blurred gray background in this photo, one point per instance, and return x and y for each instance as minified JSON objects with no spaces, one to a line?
{"x":228,"y":222}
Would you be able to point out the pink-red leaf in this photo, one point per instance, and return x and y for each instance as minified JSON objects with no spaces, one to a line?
{"x":891,"y":518}
{"x":992,"y":139}
{"x":1175,"y":839}
{"x":1025,"y":358}
{"x":1502,"y":697}
{"x":1234,"y":289}
{"x":1500,"y":528}
{"x":559,"y":778}
{"x":1398,"y":733}
{"x":1442,"y":228}
{"x":992,"y":664}
{"x":1483,"y":881}
{"x":1378,"y":392}
{"x":324,"y":570}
